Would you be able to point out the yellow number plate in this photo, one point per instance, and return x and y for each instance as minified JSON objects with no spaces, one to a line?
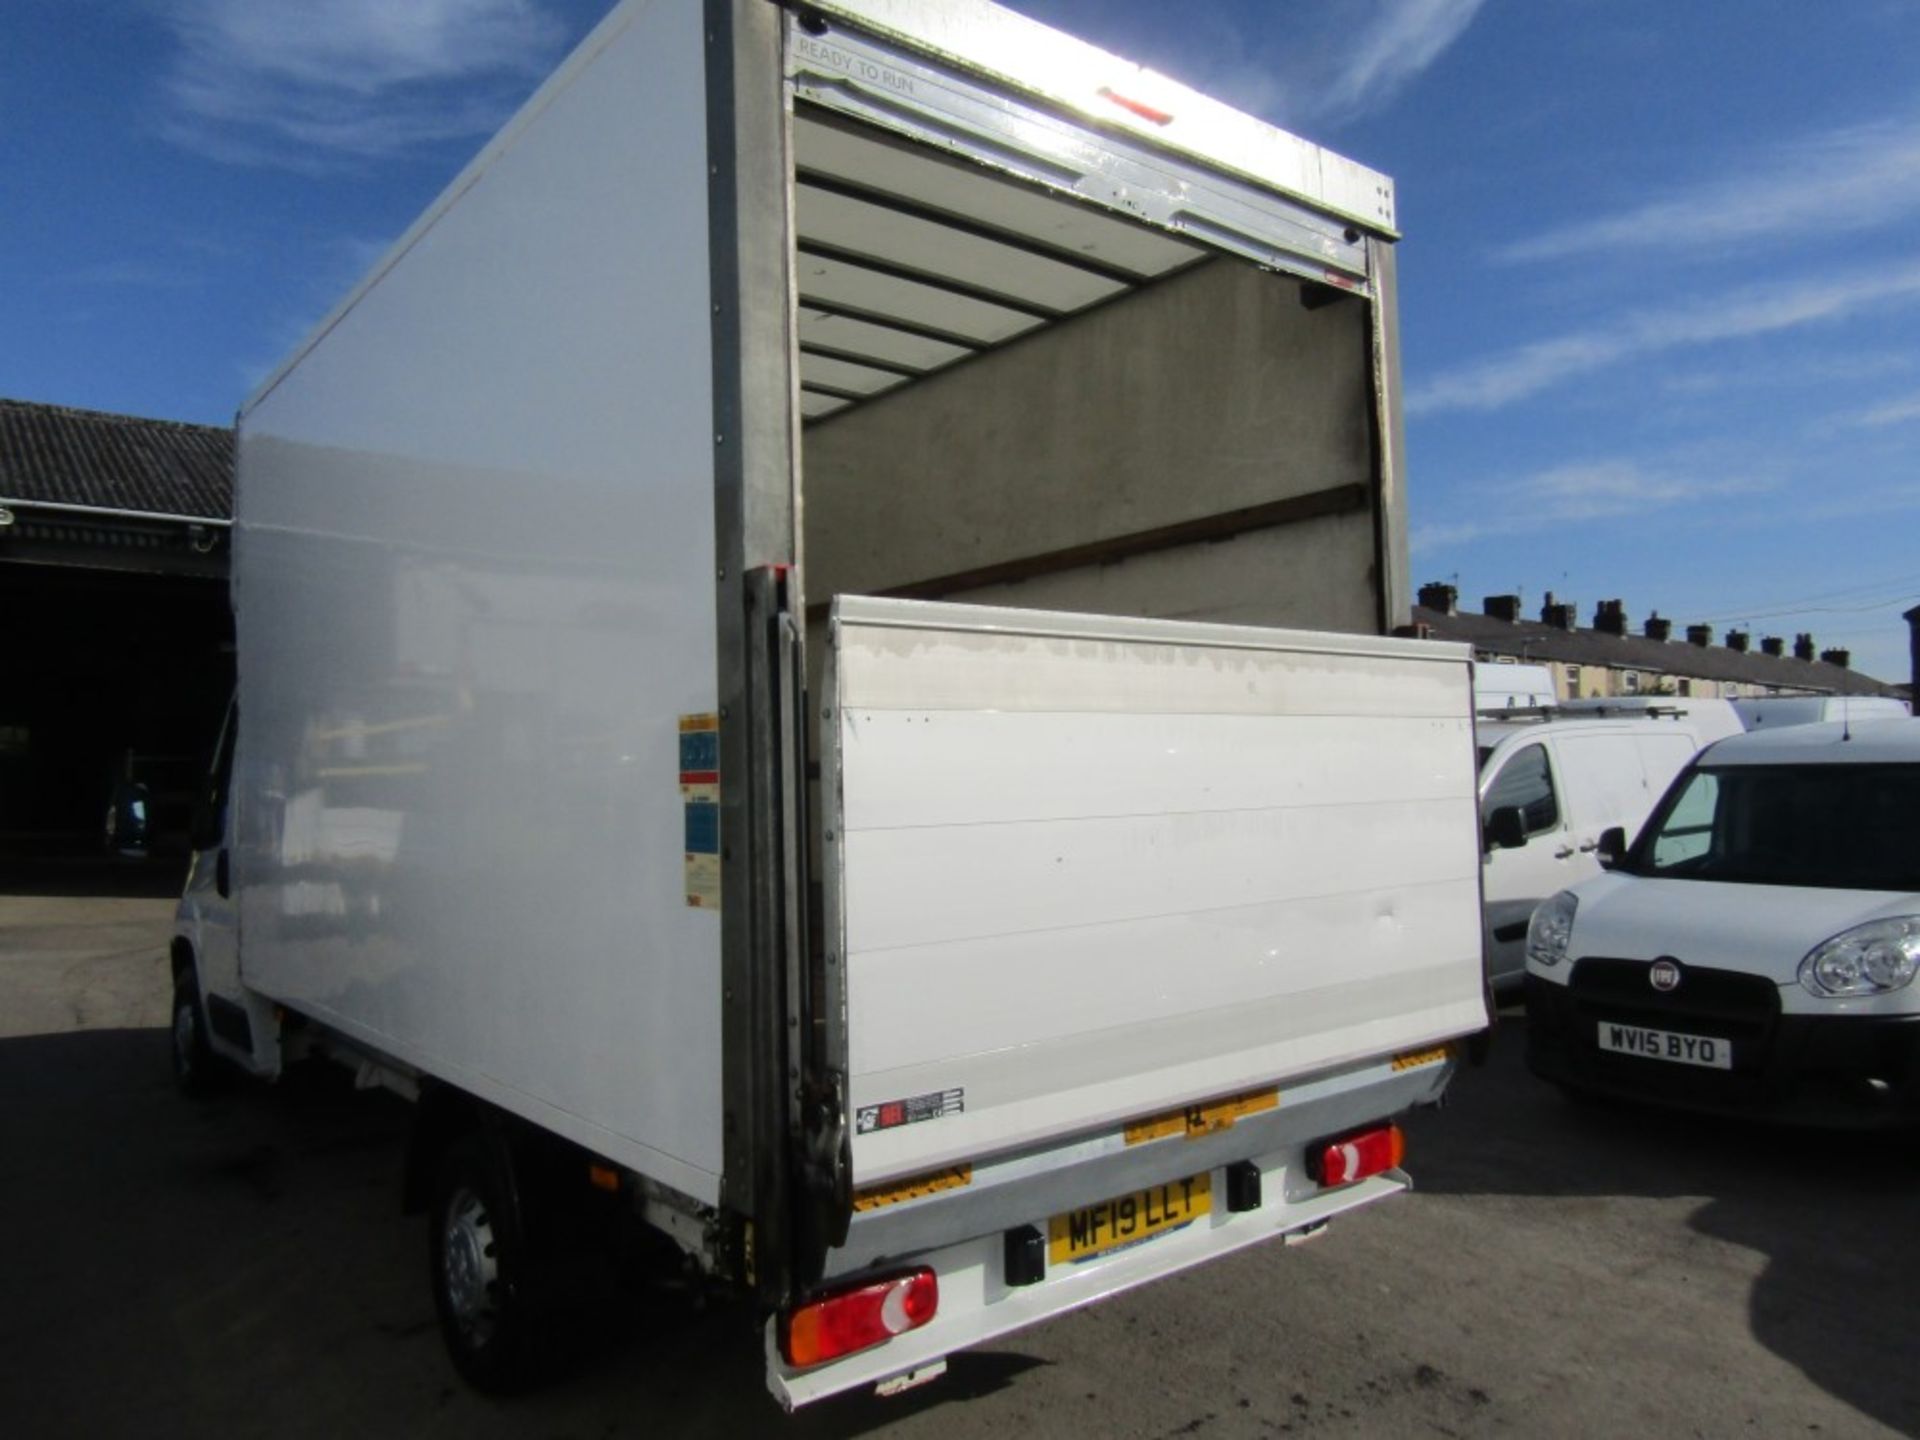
{"x":1096,"y":1229}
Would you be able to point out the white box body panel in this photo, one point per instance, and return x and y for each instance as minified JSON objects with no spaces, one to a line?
{"x":1090,"y":868}
{"x":475,"y":591}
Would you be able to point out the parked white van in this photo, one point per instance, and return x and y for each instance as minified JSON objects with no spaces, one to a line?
{"x":1549,"y":788}
{"x":1775,"y":711}
{"x":1498,"y":687}
{"x":1755,"y":951}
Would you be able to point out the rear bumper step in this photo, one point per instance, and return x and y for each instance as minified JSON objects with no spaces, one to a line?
{"x":977,"y":1305}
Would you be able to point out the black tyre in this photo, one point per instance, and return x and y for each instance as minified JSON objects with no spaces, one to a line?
{"x":478,"y":1266}
{"x":197,"y":1071}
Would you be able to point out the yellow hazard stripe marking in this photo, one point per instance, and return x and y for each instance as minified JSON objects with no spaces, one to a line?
{"x":1413,"y":1058}
{"x":894,"y":1192}
{"x":1198,"y":1120}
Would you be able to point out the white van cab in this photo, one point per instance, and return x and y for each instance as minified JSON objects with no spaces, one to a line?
{"x":1563,"y":780}
{"x":1755,"y":950}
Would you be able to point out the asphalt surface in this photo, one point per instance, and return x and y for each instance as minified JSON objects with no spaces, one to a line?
{"x":240,"y":1267}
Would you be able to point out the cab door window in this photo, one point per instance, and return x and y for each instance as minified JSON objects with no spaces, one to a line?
{"x":1525,"y":782}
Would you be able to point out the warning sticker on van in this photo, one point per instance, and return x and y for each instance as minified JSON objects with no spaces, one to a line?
{"x":700,"y":800}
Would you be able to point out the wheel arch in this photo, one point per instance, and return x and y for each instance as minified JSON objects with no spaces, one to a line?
{"x":183,"y":959}
{"x":441,"y":1116}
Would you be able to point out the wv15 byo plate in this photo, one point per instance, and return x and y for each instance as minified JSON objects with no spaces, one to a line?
{"x":1703,"y":1050}
{"x":1095,"y":1229}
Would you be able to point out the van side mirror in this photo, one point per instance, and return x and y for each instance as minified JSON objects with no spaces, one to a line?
{"x":1507,"y":828}
{"x":1612,"y":848}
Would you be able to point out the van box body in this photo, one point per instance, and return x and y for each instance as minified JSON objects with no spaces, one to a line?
{"x":637,"y":735}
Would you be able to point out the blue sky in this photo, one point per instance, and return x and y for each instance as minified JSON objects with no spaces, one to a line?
{"x":1660,"y":280}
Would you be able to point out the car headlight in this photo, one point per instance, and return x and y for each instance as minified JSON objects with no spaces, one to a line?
{"x":1869,"y":959}
{"x":1551,"y":928}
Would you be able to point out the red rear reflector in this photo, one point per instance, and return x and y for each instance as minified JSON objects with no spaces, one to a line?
{"x":1356,"y":1156}
{"x":838,"y":1324}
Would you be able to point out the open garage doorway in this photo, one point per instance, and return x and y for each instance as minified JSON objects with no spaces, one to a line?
{"x":118,"y":643}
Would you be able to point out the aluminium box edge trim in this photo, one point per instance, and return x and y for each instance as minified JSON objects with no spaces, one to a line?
{"x":883,"y":613}
{"x":1013,"y":49}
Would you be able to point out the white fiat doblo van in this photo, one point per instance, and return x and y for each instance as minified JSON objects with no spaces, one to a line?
{"x":1755,"y":951}
{"x":1551,"y":786}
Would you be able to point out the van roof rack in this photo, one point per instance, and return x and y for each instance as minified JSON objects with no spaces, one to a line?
{"x":1596,"y":712}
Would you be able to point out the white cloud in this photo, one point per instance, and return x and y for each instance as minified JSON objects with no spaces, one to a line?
{"x":1833,"y":183}
{"x":1797,"y":369}
{"x":313,"y":84}
{"x":1403,"y":38}
{"x":1894,"y":412}
{"x":1577,"y":493}
{"x":1759,"y":310}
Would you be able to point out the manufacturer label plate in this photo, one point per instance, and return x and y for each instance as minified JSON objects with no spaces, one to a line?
{"x":889,"y":1114}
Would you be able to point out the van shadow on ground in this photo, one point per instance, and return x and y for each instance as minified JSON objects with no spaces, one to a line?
{"x":172,"y":1266}
{"x":241,"y":1266}
{"x":1833,"y":1213}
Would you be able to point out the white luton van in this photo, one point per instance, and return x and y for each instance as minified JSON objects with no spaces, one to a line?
{"x":759,"y":706}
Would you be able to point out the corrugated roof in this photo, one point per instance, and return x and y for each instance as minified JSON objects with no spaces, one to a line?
{"x":1530,"y":640}
{"x":61,"y":456}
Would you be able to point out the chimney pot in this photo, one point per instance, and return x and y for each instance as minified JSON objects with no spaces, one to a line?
{"x":1772,"y":645}
{"x":1560,"y":615}
{"x":1658,"y":628}
{"x":1502,"y":607}
{"x":1803,"y":647}
{"x":1842,"y":658}
{"x":1444,"y":598}
{"x":1610,"y":617}
{"x":1737,"y":640}
{"x":1701,"y":635}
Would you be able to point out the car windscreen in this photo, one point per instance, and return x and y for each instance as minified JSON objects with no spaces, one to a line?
{"x":1849,"y":827}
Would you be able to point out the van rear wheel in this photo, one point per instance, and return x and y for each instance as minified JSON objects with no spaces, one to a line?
{"x":477,"y":1260}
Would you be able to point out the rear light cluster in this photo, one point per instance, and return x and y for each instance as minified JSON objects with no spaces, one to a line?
{"x":842,"y":1322}
{"x":1356,"y":1156}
